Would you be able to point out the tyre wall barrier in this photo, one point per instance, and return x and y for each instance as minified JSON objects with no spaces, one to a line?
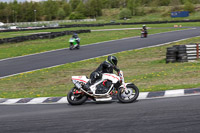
{"x":183,"y":53}
{"x":49,"y":35}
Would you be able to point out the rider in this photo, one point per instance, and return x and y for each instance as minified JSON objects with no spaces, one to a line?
{"x":105,"y":67}
{"x":75,"y":36}
{"x":144,"y":28}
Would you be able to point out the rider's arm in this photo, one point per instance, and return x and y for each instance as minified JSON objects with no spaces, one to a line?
{"x":116,"y":69}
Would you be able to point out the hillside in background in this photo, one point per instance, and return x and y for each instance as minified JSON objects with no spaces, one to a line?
{"x":135,"y":10}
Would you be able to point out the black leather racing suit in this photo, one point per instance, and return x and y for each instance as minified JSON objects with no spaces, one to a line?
{"x":144,"y":30}
{"x":104,"y":67}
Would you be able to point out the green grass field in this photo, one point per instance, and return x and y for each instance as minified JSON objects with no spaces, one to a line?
{"x":145,"y":67}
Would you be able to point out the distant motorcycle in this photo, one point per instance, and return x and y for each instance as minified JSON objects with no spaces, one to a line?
{"x":103,"y":89}
{"x":144,"y":33}
{"x":74,"y":43}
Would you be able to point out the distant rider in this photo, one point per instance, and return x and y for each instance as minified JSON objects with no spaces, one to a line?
{"x":144,"y":31}
{"x":75,"y":36}
{"x":105,"y":67}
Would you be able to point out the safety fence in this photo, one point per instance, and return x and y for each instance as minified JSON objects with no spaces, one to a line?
{"x":48,"y":35}
{"x":183,"y":53}
{"x":47,"y":28}
{"x":50,"y":22}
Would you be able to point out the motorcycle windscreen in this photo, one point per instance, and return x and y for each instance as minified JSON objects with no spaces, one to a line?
{"x":83,"y":79}
{"x":73,"y":41}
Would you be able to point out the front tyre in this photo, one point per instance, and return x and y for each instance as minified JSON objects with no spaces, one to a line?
{"x":71,"y":46}
{"x":78,"y":47}
{"x":130,"y":96}
{"x":76,"y":98}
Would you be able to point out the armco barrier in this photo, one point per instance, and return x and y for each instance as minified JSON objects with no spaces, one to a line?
{"x":41,"y":36}
{"x":183,"y":53}
{"x":192,"y":51}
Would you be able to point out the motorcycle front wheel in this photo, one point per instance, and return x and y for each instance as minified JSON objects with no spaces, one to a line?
{"x":130,"y":96}
{"x":71,"y":46}
{"x":76,"y":98}
{"x":78,"y":47}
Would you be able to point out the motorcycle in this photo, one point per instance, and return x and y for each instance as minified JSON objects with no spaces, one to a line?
{"x":103,"y":90}
{"x":144,"y":33}
{"x":74,"y":43}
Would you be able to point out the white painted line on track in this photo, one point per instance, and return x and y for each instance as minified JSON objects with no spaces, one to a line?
{"x":96,"y":56}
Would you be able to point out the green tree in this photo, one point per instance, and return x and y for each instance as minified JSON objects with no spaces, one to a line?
{"x":125,"y":13}
{"x":81,"y":8}
{"x":94,"y":8}
{"x":175,"y":5}
{"x":15,"y":8}
{"x":6,"y":12}
{"x":76,"y":15}
{"x":188,"y":6}
{"x":50,"y":9}
{"x":67,"y":8}
{"x":61,"y":13}
{"x":74,"y":4}
{"x":133,"y":5}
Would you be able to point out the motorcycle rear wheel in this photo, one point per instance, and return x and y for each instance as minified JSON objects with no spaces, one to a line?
{"x":76,"y":99}
{"x":131,"y":96}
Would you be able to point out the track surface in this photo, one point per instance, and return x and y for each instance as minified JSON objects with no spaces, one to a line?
{"x":38,"y":61}
{"x":167,"y":115}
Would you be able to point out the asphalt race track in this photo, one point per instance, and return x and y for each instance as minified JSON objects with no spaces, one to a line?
{"x":167,"y":115}
{"x":48,"y":59}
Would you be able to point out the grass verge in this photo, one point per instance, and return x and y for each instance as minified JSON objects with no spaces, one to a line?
{"x":145,"y":67}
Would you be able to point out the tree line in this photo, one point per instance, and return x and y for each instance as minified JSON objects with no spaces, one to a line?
{"x":73,"y":9}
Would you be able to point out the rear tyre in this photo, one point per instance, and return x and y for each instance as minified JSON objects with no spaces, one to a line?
{"x":130,"y":96}
{"x":76,"y":99}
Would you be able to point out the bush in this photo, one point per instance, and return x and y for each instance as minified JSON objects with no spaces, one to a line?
{"x":125,"y":13}
{"x":76,"y":15}
{"x":188,"y":6}
{"x":166,"y":13}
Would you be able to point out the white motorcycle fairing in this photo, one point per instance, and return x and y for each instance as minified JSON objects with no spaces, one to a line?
{"x":105,"y":76}
{"x":83,"y":79}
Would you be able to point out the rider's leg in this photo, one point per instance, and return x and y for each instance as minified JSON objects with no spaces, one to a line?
{"x":93,"y":77}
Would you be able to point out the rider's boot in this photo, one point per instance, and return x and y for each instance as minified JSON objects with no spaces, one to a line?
{"x":86,"y":87}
